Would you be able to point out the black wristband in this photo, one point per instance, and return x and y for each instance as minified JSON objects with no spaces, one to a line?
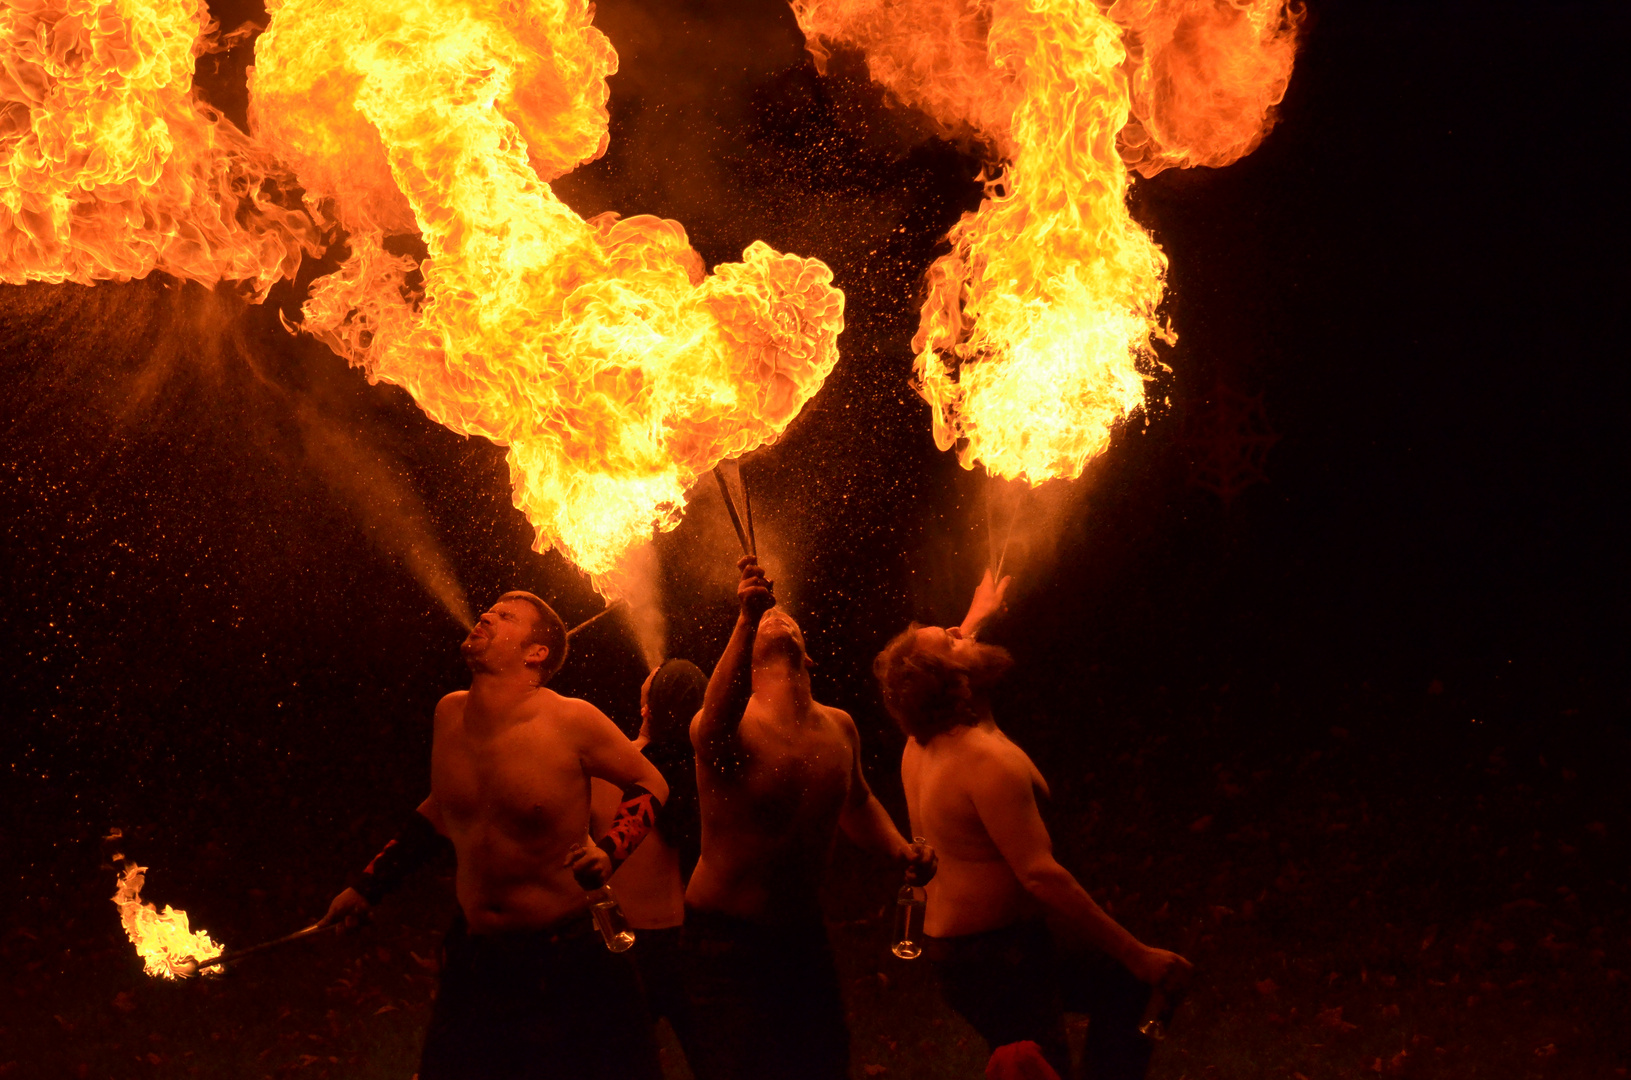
{"x":410,"y":849}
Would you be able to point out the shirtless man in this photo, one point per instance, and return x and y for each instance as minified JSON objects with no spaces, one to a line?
{"x":778,"y":774}
{"x":972,"y":794}
{"x":527,"y":987}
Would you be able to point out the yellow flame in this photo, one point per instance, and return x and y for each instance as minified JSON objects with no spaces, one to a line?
{"x":163,"y":940}
{"x":110,"y":169}
{"x":1035,"y":340}
{"x":598,"y":352}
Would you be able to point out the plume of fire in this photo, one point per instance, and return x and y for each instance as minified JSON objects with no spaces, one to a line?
{"x":1205,"y":78}
{"x":169,"y":948}
{"x":1036,"y":338}
{"x":611,"y":366}
{"x":111,"y":169}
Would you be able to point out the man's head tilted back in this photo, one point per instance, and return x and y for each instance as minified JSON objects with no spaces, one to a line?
{"x":518,"y":630}
{"x":779,"y":638}
{"x":934,"y":679}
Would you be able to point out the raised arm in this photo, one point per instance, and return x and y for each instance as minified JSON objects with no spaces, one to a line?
{"x":713,"y":733}
{"x":868,"y":824}
{"x":1006,"y":803}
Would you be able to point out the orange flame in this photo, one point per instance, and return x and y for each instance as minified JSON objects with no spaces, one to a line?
{"x":1206,"y":77}
{"x":110,"y":169}
{"x":598,"y":352}
{"x":164,"y":941}
{"x":1036,"y":337}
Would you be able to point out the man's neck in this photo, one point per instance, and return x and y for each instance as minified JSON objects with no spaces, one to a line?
{"x":783,"y":685}
{"x":495,"y":697}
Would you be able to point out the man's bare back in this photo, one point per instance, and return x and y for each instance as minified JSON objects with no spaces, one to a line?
{"x":973,"y":793}
{"x":975,"y":889}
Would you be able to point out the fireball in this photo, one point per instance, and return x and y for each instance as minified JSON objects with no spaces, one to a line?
{"x":1037,"y":336}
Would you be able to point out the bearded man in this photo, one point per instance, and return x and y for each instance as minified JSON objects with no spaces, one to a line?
{"x":527,"y":987}
{"x":973,"y":794}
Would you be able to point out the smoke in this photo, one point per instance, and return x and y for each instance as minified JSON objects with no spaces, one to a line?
{"x":1024,"y":526}
{"x":390,"y":512}
{"x":638,"y":581}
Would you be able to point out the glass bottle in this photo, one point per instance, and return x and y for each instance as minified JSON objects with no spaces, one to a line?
{"x":909,"y":904}
{"x":609,"y":919}
{"x":1158,"y":1014}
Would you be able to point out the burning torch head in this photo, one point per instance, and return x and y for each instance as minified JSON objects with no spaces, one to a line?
{"x":519,"y":631}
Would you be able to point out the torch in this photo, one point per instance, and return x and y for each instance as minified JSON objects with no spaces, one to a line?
{"x":596,"y":617}
{"x":190,"y":967}
{"x":745,"y":536}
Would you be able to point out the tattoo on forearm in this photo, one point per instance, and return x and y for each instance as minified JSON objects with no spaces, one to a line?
{"x":635,"y":817}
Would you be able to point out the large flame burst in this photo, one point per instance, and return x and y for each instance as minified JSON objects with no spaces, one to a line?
{"x":168,"y":946}
{"x":612,"y":367}
{"x":1036,"y":336}
{"x":599,"y":352}
{"x":110,"y":169}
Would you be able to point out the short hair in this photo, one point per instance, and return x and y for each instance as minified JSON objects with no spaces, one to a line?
{"x":547,"y":630}
{"x":929,"y":693}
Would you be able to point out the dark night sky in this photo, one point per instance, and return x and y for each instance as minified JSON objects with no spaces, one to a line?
{"x":210,"y":639}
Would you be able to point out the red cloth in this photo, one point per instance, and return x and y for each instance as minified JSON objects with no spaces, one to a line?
{"x":1019,"y":1061}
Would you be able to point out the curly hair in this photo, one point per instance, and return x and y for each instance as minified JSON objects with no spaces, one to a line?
{"x":928,"y":693}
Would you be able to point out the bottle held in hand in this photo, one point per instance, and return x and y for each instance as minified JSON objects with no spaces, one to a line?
{"x":909,"y":904}
{"x":1159,"y":1013}
{"x":609,"y":920}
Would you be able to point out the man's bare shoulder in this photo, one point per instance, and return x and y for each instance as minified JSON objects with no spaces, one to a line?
{"x":581,"y":717}
{"x":986,"y":752}
{"x":450,"y":708}
{"x":843,"y":721}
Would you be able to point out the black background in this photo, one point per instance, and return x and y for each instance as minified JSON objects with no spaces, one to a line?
{"x":211,"y":642}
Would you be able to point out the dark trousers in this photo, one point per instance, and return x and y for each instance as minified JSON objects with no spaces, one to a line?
{"x":1016,"y":983}
{"x":659,"y":956}
{"x":551,"y":1003}
{"x":764,"y":1000}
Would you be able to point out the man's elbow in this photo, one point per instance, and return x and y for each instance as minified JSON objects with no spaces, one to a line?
{"x":655,"y":783}
{"x":1044,"y":878}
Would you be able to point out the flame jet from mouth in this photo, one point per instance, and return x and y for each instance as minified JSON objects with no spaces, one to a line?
{"x":1036,"y":336}
{"x":598,"y":352}
{"x":110,"y":169}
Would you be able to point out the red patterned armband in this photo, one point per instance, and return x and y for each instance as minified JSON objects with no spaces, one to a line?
{"x":635,"y":817}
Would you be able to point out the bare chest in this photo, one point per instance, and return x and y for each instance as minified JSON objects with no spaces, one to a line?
{"x":794,"y":776}
{"x":521,"y":779}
